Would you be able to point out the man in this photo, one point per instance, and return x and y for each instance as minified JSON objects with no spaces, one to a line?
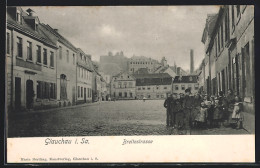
{"x":167,"y":105}
{"x":174,"y":110}
{"x":187,"y":107}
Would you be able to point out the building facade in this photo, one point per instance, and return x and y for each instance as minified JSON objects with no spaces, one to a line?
{"x":181,"y":83}
{"x":84,"y":78}
{"x":30,"y":63}
{"x":66,"y":66}
{"x":123,"y":86}
{"x":153,"y":86}
{"x":230,"y":49}
{"x":137,"y":62}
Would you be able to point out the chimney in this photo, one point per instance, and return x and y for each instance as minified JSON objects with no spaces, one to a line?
{"x":191,"y":61}
{"x":30,"y":12}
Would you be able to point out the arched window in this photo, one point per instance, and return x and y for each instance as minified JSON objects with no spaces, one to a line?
{"x":63,"y":87}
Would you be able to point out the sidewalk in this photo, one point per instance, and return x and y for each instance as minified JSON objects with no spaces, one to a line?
{"x":56,"y":109}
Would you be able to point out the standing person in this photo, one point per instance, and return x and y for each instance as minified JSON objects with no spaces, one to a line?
{"x":211,"y":109}
{"x":179,"y":113}
{"x":167,"y":105}
{"x":196,"y":108}
{"x":222,"y":108}
{"x":237,"y":115}
{"x":187,"y":107}
{"x":230,"y":100}
{"x":201,"y":116}
{"x":173,"y":111}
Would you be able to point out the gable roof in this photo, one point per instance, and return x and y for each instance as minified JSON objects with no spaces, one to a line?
{"x":186,"y":79}
{"x":26,"y":29}
{"x":62,"y":39}
{"x":154,"y":79}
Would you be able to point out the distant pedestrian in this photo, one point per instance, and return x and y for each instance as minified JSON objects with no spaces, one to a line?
{"x":167,"y":105}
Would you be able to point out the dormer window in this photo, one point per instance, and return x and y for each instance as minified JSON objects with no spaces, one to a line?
{"x":18,"y":16}
{"x":36,"y":26}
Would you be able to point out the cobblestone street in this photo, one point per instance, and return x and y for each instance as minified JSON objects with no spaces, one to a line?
{"x":133,"y":117}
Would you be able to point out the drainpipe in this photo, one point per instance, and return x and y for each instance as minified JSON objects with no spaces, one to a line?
{"x":12,"y":67}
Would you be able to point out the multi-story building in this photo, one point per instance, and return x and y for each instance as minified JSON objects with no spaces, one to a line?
{"x":66,"y":66}
{"x":153,"y":86}
{"x":84,"y":77}
{"x":123,"y":86}
{"x":181,"y":83}
{"x":30,"y":62}
{"x":230,"y":49}
{"x":137,"y":62}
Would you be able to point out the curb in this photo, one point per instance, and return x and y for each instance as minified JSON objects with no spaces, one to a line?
{"x":55,"y":109}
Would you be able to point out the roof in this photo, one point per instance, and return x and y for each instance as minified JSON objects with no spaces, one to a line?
{"x":153,"y":75}
{"x":26,"y":29}
{"x":142,"y":71}
{"x":62,"y":39}
{"x":165,"y":80}
{"x":186,"y":79}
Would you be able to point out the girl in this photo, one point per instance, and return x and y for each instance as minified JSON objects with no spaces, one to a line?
{"x":237,"y":115}
{"x":201,"y":116}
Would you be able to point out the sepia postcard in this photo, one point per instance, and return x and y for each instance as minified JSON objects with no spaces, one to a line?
{"x":130,"y":84}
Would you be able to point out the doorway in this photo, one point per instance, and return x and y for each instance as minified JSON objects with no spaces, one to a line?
{"x":85,"y":94}
{"x":29,"y":94}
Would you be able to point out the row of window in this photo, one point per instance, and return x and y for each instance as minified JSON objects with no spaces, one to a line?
{"x":84,"y":92}
{"x":67,"y":55}
{"x":123,"y":85}
{"x":196,"y":87}
{"x":83,"y":73}
{"x":149,"y":96}
{"x":39,"y":52}
{"x":132,"y":69}
{"x":148,"y":88}
{"x":124,"y":94}
{"x":224,"y":30}
{"x":83,"y":58}
{"x":46,"y":90}
{"x":141,"y":63}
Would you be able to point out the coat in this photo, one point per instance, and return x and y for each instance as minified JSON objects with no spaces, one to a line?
{"x":167,"y":103}
{"x":201,"y":116}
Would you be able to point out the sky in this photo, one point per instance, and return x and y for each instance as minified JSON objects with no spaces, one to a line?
{"x":151,"y":31}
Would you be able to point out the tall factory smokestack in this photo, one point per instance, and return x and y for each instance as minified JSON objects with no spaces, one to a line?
{"x":191,"y":61}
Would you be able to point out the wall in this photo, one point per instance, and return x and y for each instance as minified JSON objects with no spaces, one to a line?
{"x":155,"y":91}
{"x":180,"y":90}
{"x":42,"y":72}
{"x":69,"y":69}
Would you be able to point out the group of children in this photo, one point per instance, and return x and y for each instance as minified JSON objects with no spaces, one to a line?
{"x":204,"y":111}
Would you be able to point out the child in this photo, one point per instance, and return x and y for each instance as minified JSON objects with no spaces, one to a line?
{"x":237,"y":115}
{"x":201,"y":116}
